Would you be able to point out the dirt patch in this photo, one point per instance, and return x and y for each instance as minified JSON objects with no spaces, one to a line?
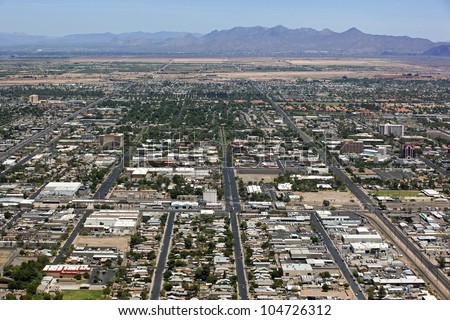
{"x":4,"y":255}
{"x":121,"y":243}
{"x":19,"y":260}
{"x":246,"y":178}
{"x":336,"y":198}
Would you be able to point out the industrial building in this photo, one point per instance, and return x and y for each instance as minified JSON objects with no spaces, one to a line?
{"x":113,"y":221}
{"x":60,"y":189}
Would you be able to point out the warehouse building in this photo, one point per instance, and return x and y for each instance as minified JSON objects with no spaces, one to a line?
{"x":60,"y":189}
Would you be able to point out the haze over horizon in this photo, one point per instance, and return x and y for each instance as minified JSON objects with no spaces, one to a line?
{"x":55,"y":18}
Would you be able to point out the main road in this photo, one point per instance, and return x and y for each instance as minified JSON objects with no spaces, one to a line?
{"x":435,"y":277}
{"x":162,"y":258}
{"x":436,"y":167}
{"x":338,"y":258}
{"x":233,"y":206}
{"x":76,"y":230}
{"x":48,"y":129}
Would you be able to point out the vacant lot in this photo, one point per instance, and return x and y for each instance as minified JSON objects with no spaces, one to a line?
{"x":258,"y":177}
{"x":396,"y":193}
{"x":82,"y":294}
{"x":4,"y":255}
{"x":336,"y":198}
{"x":121,"y":243}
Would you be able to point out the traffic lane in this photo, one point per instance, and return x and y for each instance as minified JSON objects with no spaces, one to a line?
{"x":436,"y":167}
{"x":72,"y":236}
{"x":103,"y":190}
{"x":364,"y":199}
{"x":338,"y":259}
{"x":159,"y":270}
{"x":233,"y":206}
{"x":240,"y":269}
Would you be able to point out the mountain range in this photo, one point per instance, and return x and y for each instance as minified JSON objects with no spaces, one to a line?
{"x":244,"y":41}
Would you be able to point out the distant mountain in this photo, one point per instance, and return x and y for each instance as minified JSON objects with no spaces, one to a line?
{"x":102,"y":38}
{"x":14,"y":39}
{"x":281,"y":39}
{"x":439,"y":51}
{"x":258,"y":40}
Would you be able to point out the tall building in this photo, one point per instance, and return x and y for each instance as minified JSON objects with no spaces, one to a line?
{"x":387,"y":129}
{"x":351,"y":146}
{"x":407,"y":151}
{"x":33,"y":99}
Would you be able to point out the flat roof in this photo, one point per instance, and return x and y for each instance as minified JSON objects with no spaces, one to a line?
{"x":297,"y":267}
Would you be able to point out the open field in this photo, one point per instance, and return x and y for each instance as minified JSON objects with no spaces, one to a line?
{"x":246,"y":178}
{"x":347,"y":62}
{"x":4,"y":255}
{"x":103,"y":69}
{"x":82,"y":294}
{"x":336,"y":198}
{"x":396,"y":193}
{"x":120,"y":242}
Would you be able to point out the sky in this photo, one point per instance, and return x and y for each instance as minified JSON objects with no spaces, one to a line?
{"x":425,"y":19}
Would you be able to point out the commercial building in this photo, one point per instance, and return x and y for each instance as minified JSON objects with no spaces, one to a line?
{"x":60,"y":189}
{"x":65,"y":270}
{"x":368,"y":247}
{"x":362,"y":238}
{"x":351,"y":146}
{"x":210,"y":196}
{"x":253,"y":189}
{"x":113,"y":221}
{"x":297,"y":269}
{"x":114,"y":140}
{"x":397,"y":130}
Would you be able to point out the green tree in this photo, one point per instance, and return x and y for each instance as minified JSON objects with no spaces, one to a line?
{"x":381,"y":292}
{"x":167,"y":286}
{"x":441,"y":262}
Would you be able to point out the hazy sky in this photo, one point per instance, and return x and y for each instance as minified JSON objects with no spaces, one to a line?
{"x":425,"y":18}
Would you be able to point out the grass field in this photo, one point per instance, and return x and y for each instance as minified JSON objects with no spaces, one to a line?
{"x":396,"y":193}
{"x":82,"y":295}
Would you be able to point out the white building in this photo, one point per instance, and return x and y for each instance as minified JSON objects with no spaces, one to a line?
{"x":387,"y":129}
{"x":285,"y":186}
{"x":253,"y":189}
{"x":363,"y":238}
{"x":113,"y":220}
{"x":210,"y":196}
{"x":60,"y":189}
{"x":297,"y":269}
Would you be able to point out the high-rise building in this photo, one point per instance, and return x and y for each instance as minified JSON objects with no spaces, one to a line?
{"x":395,"y":129}
{"x":351,"y":146}
{"x":407,"y":151}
